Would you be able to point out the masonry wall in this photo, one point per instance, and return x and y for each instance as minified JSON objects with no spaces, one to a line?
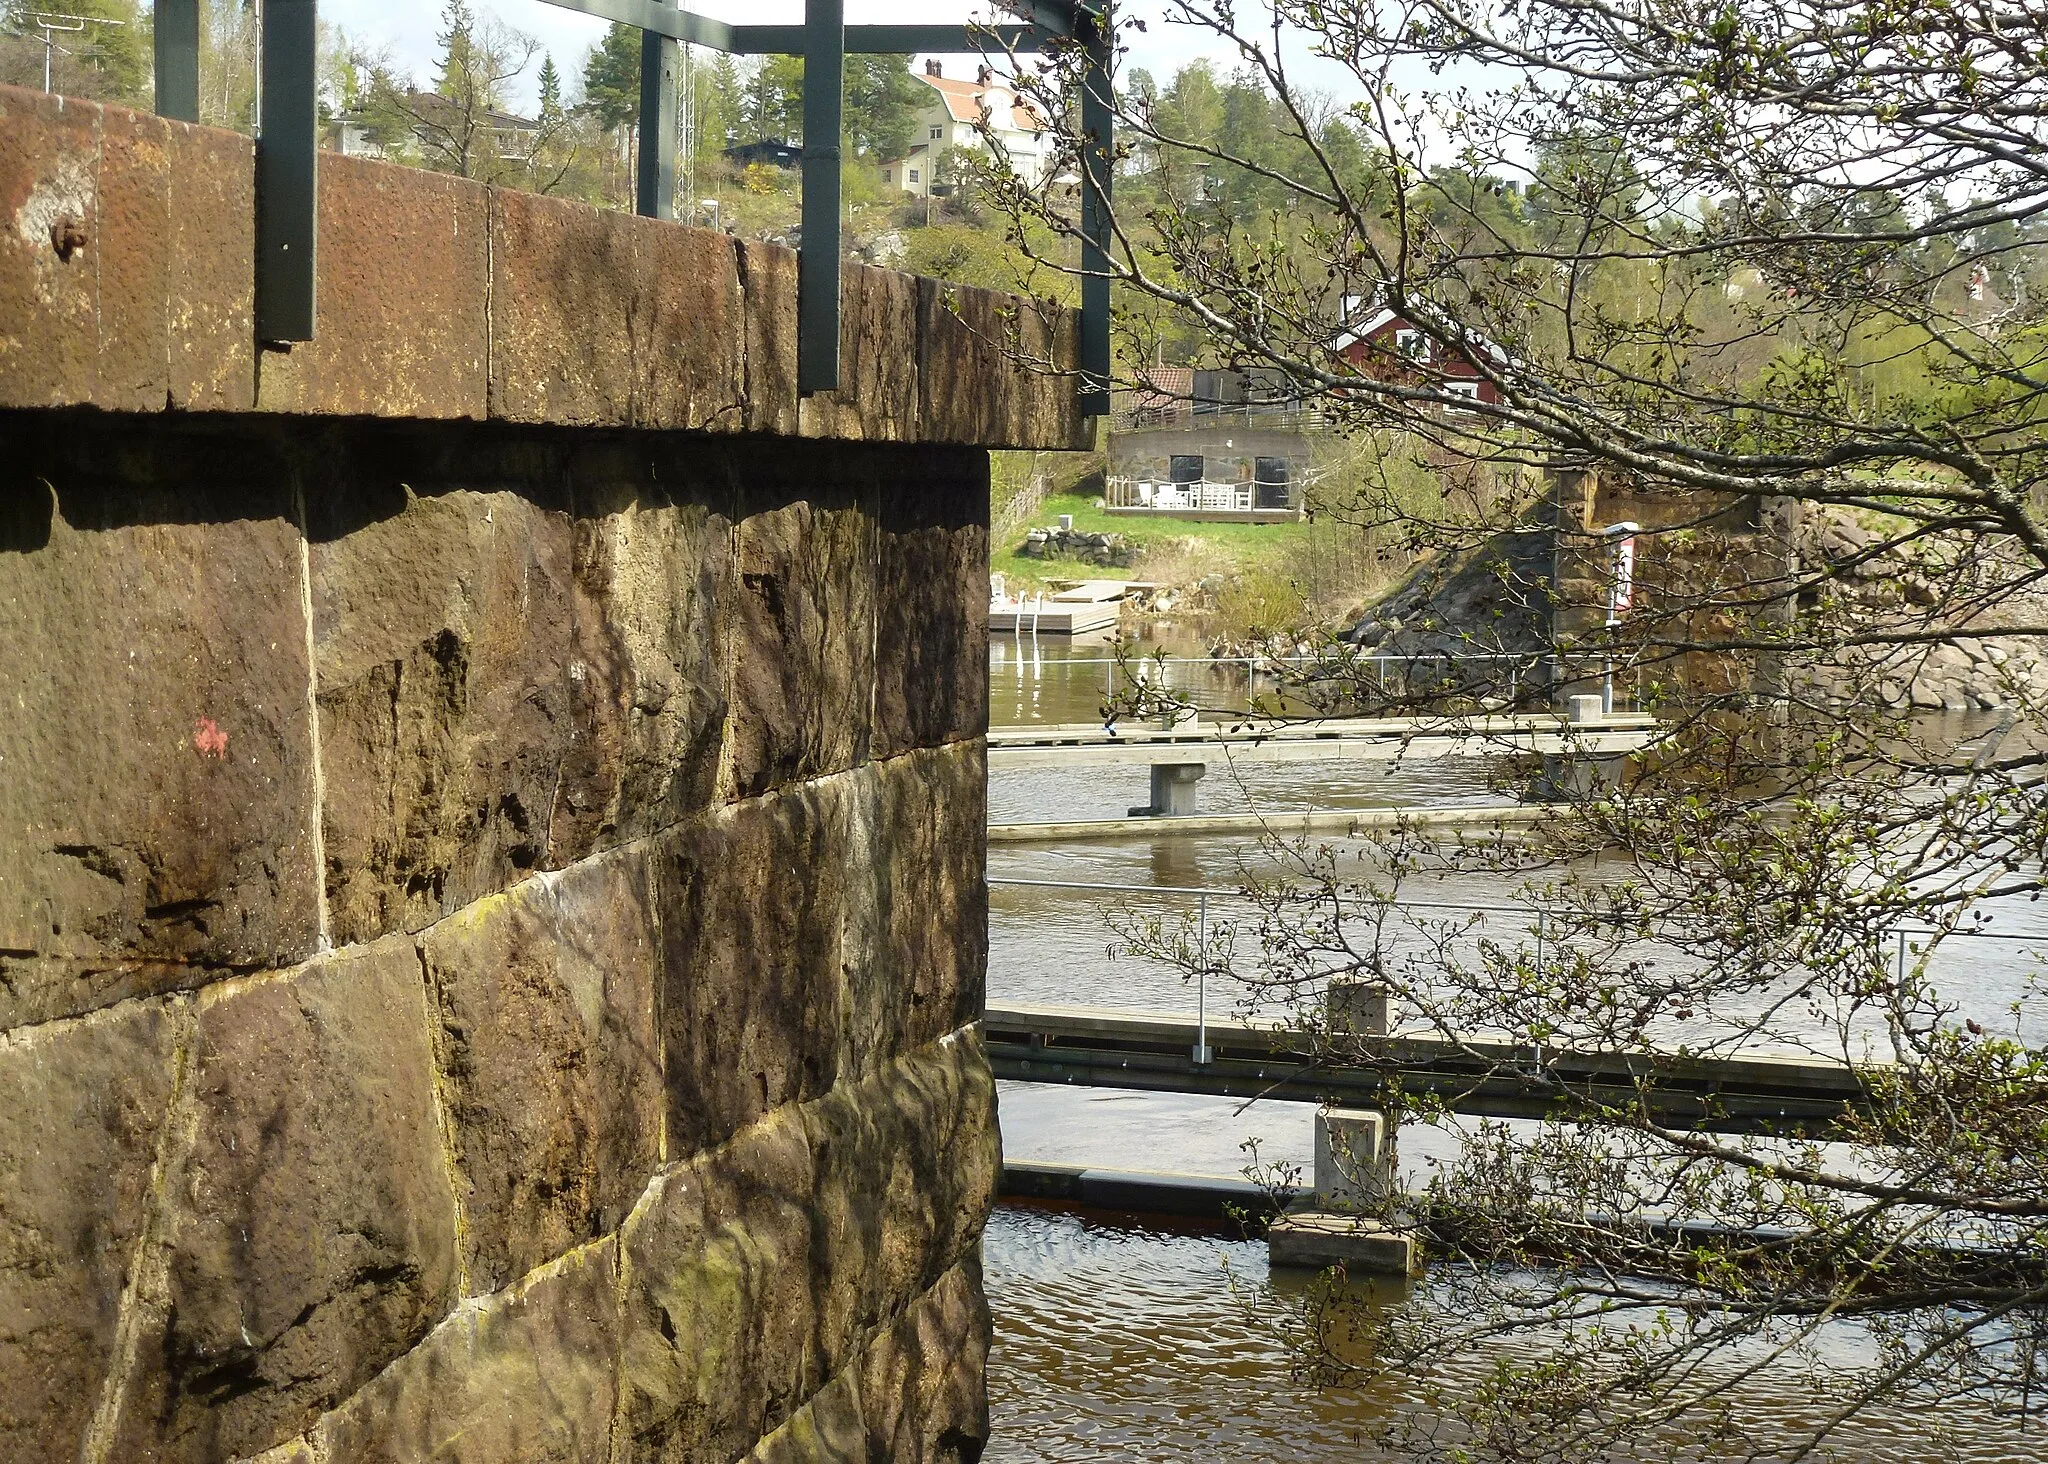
{"x":492,"y":914}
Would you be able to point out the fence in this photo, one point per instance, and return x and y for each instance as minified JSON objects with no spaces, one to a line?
{"x":1503,"y":676}
{"x":287,"y":144}
{"x":1146,"y":495}
{"x":1536,"y":925}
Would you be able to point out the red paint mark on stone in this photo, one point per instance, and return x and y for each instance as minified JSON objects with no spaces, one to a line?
{"x":209,"y":739}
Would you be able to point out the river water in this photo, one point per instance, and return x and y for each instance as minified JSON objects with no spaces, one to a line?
{"x":1122,"y":1340}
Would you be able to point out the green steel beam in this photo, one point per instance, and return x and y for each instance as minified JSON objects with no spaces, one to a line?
{"x":885,"y":40}
{"x":788,"y":40}
{"x":662,"y":20}
{"x":176,"y":28}
{"x":817,"y":274}
{"x":287,"y":144}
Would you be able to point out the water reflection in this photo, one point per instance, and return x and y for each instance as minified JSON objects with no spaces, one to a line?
{"x":1160,"y":1364}
{"x":1117,"y":1342}
{"x":1140,"y":1343}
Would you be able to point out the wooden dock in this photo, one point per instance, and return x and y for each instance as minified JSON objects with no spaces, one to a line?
{"x":1096,"y":1047}
{"x":1374,"y":739}
{"x":1338,"y":822}
{"x":1080,"y":608}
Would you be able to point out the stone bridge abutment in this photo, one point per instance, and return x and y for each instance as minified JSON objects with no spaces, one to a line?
{"x":492,"y":906}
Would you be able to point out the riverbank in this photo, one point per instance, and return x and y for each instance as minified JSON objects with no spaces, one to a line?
{"x":1225,"y":581}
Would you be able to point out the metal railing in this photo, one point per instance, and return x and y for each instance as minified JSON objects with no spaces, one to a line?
{"x":1552,"y":675}
{"x":1202,"y":895}
{"x":1153,"y":495}
{"x":287,"y":144}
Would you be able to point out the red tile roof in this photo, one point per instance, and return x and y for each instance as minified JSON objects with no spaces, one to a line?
{"x":963,"y":99}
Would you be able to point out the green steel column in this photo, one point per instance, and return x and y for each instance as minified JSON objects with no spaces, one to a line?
{"x":177,"y":59}
{"x":287,"y":145}
{"x":817,"y":297}
{"x":1097,"y":155}
{"x":659,"y":62}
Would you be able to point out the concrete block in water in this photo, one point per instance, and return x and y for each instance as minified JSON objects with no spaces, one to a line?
{"x":1354,"y":1158}
{"x":1356,"y":1008}
{"x":1317,"y":1239}
{"x":1173,"y":787}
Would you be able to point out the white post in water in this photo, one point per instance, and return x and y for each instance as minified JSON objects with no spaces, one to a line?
{"x":1201,"y":1052}
{"x":1621,"y":589}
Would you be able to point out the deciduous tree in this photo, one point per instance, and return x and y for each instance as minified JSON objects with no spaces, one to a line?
{"x":1768,"y":277}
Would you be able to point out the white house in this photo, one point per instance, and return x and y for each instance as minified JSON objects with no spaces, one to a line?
{"x":950,"y":120}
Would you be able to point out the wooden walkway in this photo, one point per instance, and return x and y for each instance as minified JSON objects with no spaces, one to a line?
{"x":1096,"y":1047}
{"x":1374,"y":739}
{"x":1341,"y":822}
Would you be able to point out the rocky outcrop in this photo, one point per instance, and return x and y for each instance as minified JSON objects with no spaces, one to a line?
{"x":1111,"y":551}
{"x":1493,"y":596}
{"x":1870,"y":586}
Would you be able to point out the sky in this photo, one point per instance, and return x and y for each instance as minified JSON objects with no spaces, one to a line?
{"x":407,"y":31}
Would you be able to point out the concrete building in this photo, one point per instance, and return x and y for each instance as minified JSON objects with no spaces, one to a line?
{"x":952,"y":118}
{"x":1225,"y":445}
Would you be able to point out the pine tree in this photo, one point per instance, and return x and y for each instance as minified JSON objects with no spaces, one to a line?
{"x":456,"y":78}
{"x":883,"y":99}
{"x":550,"y":93}
{"x":611,"y":78}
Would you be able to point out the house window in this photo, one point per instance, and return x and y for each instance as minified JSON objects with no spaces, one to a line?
{"x":1185,"y":467}
{"x":1411,"y":343}
{"x":888,"y":175}
{"x":1469,"y":390}
{"x":937,"y":133}
{"x":913,"y":175}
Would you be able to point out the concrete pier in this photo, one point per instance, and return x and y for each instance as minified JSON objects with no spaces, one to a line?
{"x":1354,"y":1173}
{"x":1316,"y":1240}
{"x":1581,"y":772}
{"x":1354,"y":1167}
{"x":1173,"y":790}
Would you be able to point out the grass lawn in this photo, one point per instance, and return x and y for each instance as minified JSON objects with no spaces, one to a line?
{"x":1173,"y":550}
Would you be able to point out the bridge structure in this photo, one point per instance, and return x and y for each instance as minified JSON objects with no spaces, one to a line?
{"x":287,"y":156}
{"x":492,"y":813}
{"x":1161,"y":1052}
{"x":1578,"y":746}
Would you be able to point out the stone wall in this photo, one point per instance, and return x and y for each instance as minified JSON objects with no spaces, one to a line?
{"x":492,"y":915}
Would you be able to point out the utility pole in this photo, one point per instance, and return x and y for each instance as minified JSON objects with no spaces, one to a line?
{"x":53,"y":23}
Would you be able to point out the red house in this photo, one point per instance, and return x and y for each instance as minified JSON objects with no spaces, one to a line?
{"x":1387,"y":347}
